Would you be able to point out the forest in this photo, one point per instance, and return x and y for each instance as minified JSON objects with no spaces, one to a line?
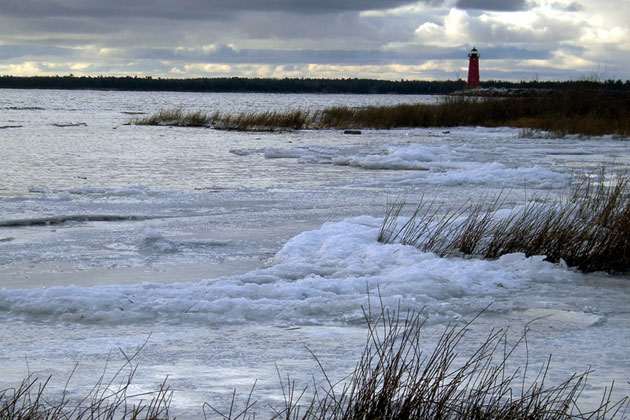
{"x":286,"y":85}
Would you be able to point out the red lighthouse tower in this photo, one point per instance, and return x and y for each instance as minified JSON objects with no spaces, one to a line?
{"x":473,"y":68}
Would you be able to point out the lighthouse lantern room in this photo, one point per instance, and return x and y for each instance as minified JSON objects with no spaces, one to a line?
{"x":473,"y":68}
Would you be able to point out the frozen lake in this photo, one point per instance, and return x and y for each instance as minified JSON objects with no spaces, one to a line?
{"x":229,"y":253}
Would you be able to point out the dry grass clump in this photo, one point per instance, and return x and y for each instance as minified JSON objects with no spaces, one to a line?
{"x":571,"y":111}
{"x":450,"y":111}
{"x":588,"y":112}
{"x":176,"y":118}
{"x":379,"y":117}
{"x":395,"y":379}
{"x":589,"y":230}
{"x":108,"y":399}
{"x":262,"y":121}
{"x":246,"y":121}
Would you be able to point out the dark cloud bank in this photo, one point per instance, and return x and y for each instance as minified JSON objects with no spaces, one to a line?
{"x":205,"y":9}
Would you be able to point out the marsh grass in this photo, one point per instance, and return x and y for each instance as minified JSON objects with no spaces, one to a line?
{"x":262,"y":121}
{"x":176,"y":118}
{"x":587,"y":112}
{"x":247,"y":121}
{"x":571,"y":111}
{"x":589,"y":229}
{"x":110,"y":398}
{"x":397,"y":377}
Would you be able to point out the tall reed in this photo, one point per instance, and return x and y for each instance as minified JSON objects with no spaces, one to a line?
{"x":110,"y":398}
{"x":570,"y":111}
{"x":589,"y":229}
{"x":246,"y":121}
{"x":589,"y":112}
{"x":395,"y":378}
{"x":176,"y":118}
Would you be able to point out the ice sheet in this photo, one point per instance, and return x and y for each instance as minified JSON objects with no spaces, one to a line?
{"x":231,"y":251}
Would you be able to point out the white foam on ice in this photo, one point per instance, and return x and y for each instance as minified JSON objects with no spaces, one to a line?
{"x":486,"y":173}
{"x":447,"y":165}
{"x":318,"y":276}
{"x":406,"y":157}
{"x":308,"y":154}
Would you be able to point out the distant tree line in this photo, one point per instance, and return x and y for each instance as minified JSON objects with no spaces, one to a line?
{"x":287,"y":85}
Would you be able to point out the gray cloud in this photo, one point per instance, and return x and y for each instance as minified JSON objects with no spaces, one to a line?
{"x":11,"y":52}
{"x":197,"y":22}
{"x":496,"y":5}
{"x":507,"y":52}
{"x":300,"y":58}
{"x":571,"y":7}
{"x":303,"y":38}
{"x":189,"y":9}
{"x":228,"y":55}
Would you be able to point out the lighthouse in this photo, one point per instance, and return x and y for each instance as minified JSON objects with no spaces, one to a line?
{"x":473,"y":68}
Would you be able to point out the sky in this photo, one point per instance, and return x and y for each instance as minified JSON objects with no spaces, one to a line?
{"x":379,"y":39}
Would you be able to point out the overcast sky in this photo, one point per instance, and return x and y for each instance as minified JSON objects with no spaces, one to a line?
{"x":384,"y":39}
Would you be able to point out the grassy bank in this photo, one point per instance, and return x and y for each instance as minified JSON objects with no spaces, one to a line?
{"x":586,"y":112}
{"x":247,"y":121}
{"x":561,"y":112}
{"x":393,"y":379}
{"x":589,"y":229}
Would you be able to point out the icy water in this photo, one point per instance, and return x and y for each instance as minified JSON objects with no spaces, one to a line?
{"x":232,"y":253}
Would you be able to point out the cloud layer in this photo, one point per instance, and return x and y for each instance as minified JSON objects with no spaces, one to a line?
{"x":517,"y":39}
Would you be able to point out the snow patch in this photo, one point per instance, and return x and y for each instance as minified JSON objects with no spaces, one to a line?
{"x":318,"y":275}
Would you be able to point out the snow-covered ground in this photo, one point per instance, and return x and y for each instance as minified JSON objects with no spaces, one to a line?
{"x":229,"y":253}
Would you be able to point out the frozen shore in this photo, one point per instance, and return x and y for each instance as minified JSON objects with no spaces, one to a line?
{"x":231,"y":252}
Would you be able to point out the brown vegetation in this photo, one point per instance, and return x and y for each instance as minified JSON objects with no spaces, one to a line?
{"x":175,"y":118}
{"x":110,"y":398}
{"x":594,"y":112}
{"x":589,"y":230}
{"x":561,"y":112}
{"x":261,"y":121}
{"x":393,"y":380}
{"x":396,"y":379}
{"x":247,"y":121}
